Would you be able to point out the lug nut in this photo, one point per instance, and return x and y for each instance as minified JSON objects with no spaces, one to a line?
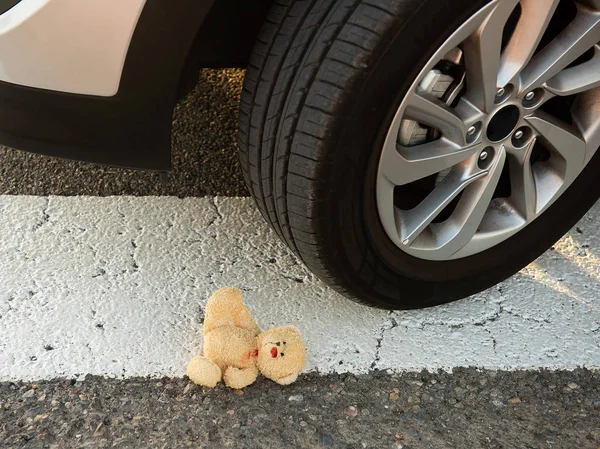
{"x":473,"y":132}
{"x":519,"y":135}
{"x":485,"y":157}
{"x":530,"y":96}
{"x":503,"y":93}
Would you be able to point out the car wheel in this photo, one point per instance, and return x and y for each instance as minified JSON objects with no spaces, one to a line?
{"x":414,"y":152}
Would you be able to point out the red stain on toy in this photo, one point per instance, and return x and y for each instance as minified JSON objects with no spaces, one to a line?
{"x":251,"y":354}
{"x":273,"y":352}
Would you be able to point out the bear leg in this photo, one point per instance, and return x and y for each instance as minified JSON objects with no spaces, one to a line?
{"x":240,"y":378}
{"x":226,"y":307}
{"x":203,"y":372}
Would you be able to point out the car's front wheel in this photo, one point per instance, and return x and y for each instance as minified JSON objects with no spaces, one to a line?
{"x":413,"y":152}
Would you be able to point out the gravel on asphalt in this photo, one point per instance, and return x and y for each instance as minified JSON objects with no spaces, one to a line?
{"x":466,"y":409}
{"x":204,"y":148}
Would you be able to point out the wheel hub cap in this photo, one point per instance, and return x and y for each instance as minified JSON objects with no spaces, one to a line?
{"x":503,"y":123}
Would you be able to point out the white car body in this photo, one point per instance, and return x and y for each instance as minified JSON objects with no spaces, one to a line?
{"x":74,"y":46}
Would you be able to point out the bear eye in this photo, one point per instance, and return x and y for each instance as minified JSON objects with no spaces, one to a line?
{"x":284,"y":343}
{"x":282,"y":354}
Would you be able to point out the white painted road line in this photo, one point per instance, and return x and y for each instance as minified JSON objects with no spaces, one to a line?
{"x":116,"y":287}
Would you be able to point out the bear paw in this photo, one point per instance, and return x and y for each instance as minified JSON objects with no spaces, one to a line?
{"x":240,"y":378}
{"x":203,"y":372}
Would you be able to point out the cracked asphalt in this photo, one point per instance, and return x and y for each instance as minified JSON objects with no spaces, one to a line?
{"x":349,"y":400}
{"x":124,"y":262}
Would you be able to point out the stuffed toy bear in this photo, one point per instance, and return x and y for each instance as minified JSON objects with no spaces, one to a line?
{"x":236,"y":350}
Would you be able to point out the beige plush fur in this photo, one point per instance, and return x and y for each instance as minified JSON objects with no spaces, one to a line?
{"x":236,"y":350}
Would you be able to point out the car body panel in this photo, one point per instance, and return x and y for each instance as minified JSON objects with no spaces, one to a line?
{"x":70,"y":46}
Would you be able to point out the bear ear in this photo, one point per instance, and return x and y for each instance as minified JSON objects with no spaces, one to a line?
{"x":287,"y":380}
{"x":291,"y":330}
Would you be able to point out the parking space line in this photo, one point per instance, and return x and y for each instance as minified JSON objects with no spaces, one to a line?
{"x":116,"y":287}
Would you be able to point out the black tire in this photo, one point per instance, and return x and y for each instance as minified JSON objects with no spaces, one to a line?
{"x":324,"y":81}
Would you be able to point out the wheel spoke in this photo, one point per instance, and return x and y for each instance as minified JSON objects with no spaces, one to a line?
{"x":482,"y":55}
{"x":562,"y":139}
{"x":535,"y":17}
{"x":579,"y":36}
{"x":414,"y":221}
{"x":423,"y":160}
{"x":577,"y":79}
{"x":523,"y":188}
{"x":433,"y":112}
{"x":455,"y":233}
{"x":585,"y":112}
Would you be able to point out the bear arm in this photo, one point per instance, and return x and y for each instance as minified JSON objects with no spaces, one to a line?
{"x":240,"y":378}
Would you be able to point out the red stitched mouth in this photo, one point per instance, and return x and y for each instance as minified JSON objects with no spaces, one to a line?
{"x":274,"y":352}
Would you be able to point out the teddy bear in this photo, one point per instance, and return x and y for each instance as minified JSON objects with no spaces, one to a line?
{"x":236,"y":350}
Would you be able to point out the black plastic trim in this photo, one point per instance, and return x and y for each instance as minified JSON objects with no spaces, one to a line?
{"x":131,"y":129}
{"x":5,"y":5}
{"x":229,"y":32}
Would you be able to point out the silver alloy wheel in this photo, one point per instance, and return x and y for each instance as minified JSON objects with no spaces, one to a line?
{"x":495,"y":121}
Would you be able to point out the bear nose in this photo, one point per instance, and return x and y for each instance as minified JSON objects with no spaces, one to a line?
{"x":273,"y":352}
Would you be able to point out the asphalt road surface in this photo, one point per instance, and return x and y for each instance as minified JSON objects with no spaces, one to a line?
{"x":465,"y":410}
{"x":350,"y":399}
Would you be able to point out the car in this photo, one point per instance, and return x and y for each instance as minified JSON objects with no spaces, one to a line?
{"x":410,"y":152}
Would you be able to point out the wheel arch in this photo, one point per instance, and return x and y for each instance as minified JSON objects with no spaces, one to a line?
{"x":171,"y":42}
